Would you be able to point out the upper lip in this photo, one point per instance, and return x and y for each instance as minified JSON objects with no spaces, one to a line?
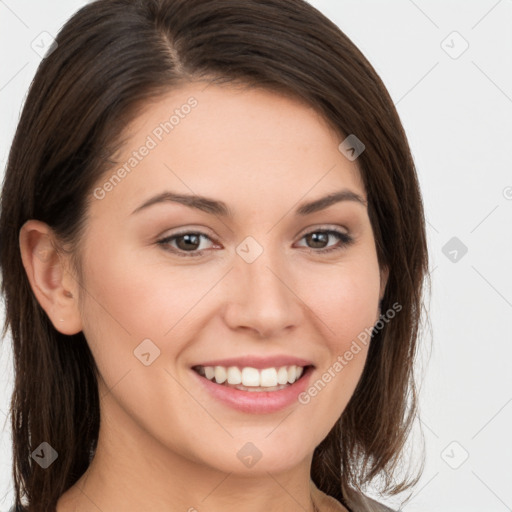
{"x":258,"y":362}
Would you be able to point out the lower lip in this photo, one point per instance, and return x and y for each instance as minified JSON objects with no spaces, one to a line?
{"x":257,"y":402}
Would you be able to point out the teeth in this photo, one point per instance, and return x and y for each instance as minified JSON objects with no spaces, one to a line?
{"x":250,"y":377}
{"x":282,"y":375}
{"x":234,"y":375}
{"x":268,"y":377}
{"x":220,"y":374}
{"x":256,"y":389}
{"x":271,"y":378}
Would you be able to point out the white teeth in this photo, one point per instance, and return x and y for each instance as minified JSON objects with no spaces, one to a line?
{"x":234,"y":375}
{"x":282,"y":375}
{"x":220,"y":374}
{"x":252,"y":377}
{"x":268,"y":377}
{"x":292,"y":373}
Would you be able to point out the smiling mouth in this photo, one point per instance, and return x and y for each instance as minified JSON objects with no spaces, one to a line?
{"x":253,"y":379}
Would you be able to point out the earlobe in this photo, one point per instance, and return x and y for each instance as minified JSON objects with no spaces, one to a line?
{"x":47,"y":272}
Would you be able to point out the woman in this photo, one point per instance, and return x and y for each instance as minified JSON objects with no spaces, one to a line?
{"x":213,"y":253}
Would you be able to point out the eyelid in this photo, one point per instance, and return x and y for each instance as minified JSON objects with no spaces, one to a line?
{"x":323,"y":227}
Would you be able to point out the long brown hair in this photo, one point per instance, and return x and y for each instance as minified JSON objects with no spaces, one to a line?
{"x":110,"y":58}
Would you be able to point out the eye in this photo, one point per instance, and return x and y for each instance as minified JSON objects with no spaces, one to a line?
{"x":319,"y":240}
{"x":188,"y":243}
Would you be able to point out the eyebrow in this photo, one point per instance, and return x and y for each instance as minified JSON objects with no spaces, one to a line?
{"x":221,"y":209}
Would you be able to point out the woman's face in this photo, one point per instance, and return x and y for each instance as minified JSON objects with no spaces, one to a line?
{"x":203,"y":250}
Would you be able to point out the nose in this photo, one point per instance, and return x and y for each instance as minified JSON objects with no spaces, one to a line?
{"x":261,"y":296}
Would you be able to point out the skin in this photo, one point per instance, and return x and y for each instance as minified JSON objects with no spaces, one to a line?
{"x":165,"y":444}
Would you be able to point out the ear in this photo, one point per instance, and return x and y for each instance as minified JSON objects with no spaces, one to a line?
{"x":47,"y":270}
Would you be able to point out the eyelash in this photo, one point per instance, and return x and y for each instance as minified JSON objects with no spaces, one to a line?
{"x":344,"y":238}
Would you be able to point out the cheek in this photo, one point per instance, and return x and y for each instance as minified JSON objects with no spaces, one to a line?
{"x":346,"y":299}
{"x":135,"y":298}
{"x":347,"y":308}
{"x":131,"y":299}
{"x":344,"y":303}
{"x":124,"y":303}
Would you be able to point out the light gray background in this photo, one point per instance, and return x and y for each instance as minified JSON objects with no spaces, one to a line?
{"x":457,"y":111}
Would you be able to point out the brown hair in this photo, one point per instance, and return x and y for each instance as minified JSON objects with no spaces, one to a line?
{"x":111,"y":57}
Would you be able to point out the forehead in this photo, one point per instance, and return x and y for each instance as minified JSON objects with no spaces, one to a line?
{"x":228,"y":142}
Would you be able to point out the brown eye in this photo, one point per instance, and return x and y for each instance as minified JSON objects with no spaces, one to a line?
{"x":318,"y":241}
{"x":185,"y":244}
{"x":188,"y":242}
